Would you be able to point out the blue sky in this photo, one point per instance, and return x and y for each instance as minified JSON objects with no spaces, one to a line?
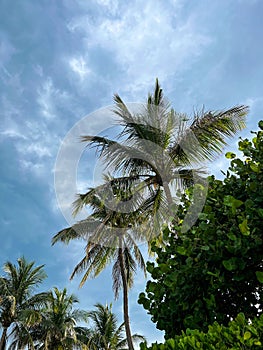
{"x":62,"y":60}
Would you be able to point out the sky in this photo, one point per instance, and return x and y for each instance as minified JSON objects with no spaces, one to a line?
{"x":60,"y":61}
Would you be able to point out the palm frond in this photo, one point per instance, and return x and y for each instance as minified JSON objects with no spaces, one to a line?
{"x":116,"y":278}
{"x":95,"y":260}
{"x":36,"y":300}
{"x":90,"y":198}
{"x":66,"y":235}
{"x":130,"y":266}
{"x":121,"y":109}
{"x":99,"y":142}
{"x":157,"y":97}
{"x":211,"y":130}
{"x":131,"y":243}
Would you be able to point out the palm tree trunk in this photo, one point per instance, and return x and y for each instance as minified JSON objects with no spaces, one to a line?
{"x":125,"y":296}
{"x":3,"y":338}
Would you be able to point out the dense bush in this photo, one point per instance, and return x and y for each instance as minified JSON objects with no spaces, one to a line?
{"x":239,"y":334}
{"x":213,"y":271}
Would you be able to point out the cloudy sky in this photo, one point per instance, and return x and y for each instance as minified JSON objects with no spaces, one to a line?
{"x":62,"y":60}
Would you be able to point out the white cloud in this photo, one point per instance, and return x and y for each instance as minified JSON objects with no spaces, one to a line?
{"x":50,"y":97}
{"x":110,"y":5}
{"x":8,"y":77}
{"x":79,"y":66}
{"x":10,"y":126}
{"x":45,"y":99}
{"x":35,"y":135}
{"x":36,"y":149}
{"x":12,"y":133}
{"x":152,"y":41}
{"x":6,"y":72}
{"x":38,"y":169}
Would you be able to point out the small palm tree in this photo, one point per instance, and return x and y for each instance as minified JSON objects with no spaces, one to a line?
{"x":111,"y":238}
{"x":106,"y":334}
{"x":19,"y":305}
{"x":58,"y":327}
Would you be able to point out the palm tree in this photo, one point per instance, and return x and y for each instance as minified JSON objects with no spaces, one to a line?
{"x":111,"y":238}
{"x":58,"y":327}
{"x":19,"y":306}
{"x":158,"y":146}
{"x":106,"y":334}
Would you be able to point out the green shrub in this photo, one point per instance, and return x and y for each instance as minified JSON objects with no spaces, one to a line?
{"x":214,"y":271}
{"x":239,"y":334}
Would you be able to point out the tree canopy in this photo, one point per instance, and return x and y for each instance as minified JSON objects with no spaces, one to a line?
{"x":239,"y":334}
{"x":157,"y":149}
{"x":108,"y":241}
{"x":106,"y":334}
{"x":58,"y":328}
{"x":19,"y":304}
{"x":213,"y":271}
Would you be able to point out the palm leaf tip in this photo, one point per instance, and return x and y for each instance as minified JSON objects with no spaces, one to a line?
{"x":65,"y":236}
{"x":212,"y":129}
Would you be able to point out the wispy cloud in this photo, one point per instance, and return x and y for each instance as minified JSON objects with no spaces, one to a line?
{"x":79,"y":66}
{"x":13,"y":133}
{"x":154,"y":41}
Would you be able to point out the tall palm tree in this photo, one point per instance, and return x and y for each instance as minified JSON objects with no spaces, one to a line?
{"x":158,"y":147}
{"x":58,"y":327}
{"x":19,"y":305}
{"x":106,"y":334}
{"x":110,"y":237}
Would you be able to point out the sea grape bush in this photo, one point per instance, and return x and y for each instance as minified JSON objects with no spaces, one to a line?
{"x":239,"y":334}
{"x":214,"y":271}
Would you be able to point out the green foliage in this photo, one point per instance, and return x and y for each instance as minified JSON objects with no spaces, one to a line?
{"x":108,"y":241}
{"x":105,"y":332}
{"x":19,"y":304}
{"x":214,"y":271}
{"x":158,"y":147}
{"x":239,"y":334}
{"x":57,"y":328}
{"x":103,"y":232}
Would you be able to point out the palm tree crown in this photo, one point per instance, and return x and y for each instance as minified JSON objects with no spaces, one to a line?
{"x":108,"y":240}
{"x":106,"y":334}
{"x":58,"y":327}
{"x":19,"y":306}
{"x":158,"y":147}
